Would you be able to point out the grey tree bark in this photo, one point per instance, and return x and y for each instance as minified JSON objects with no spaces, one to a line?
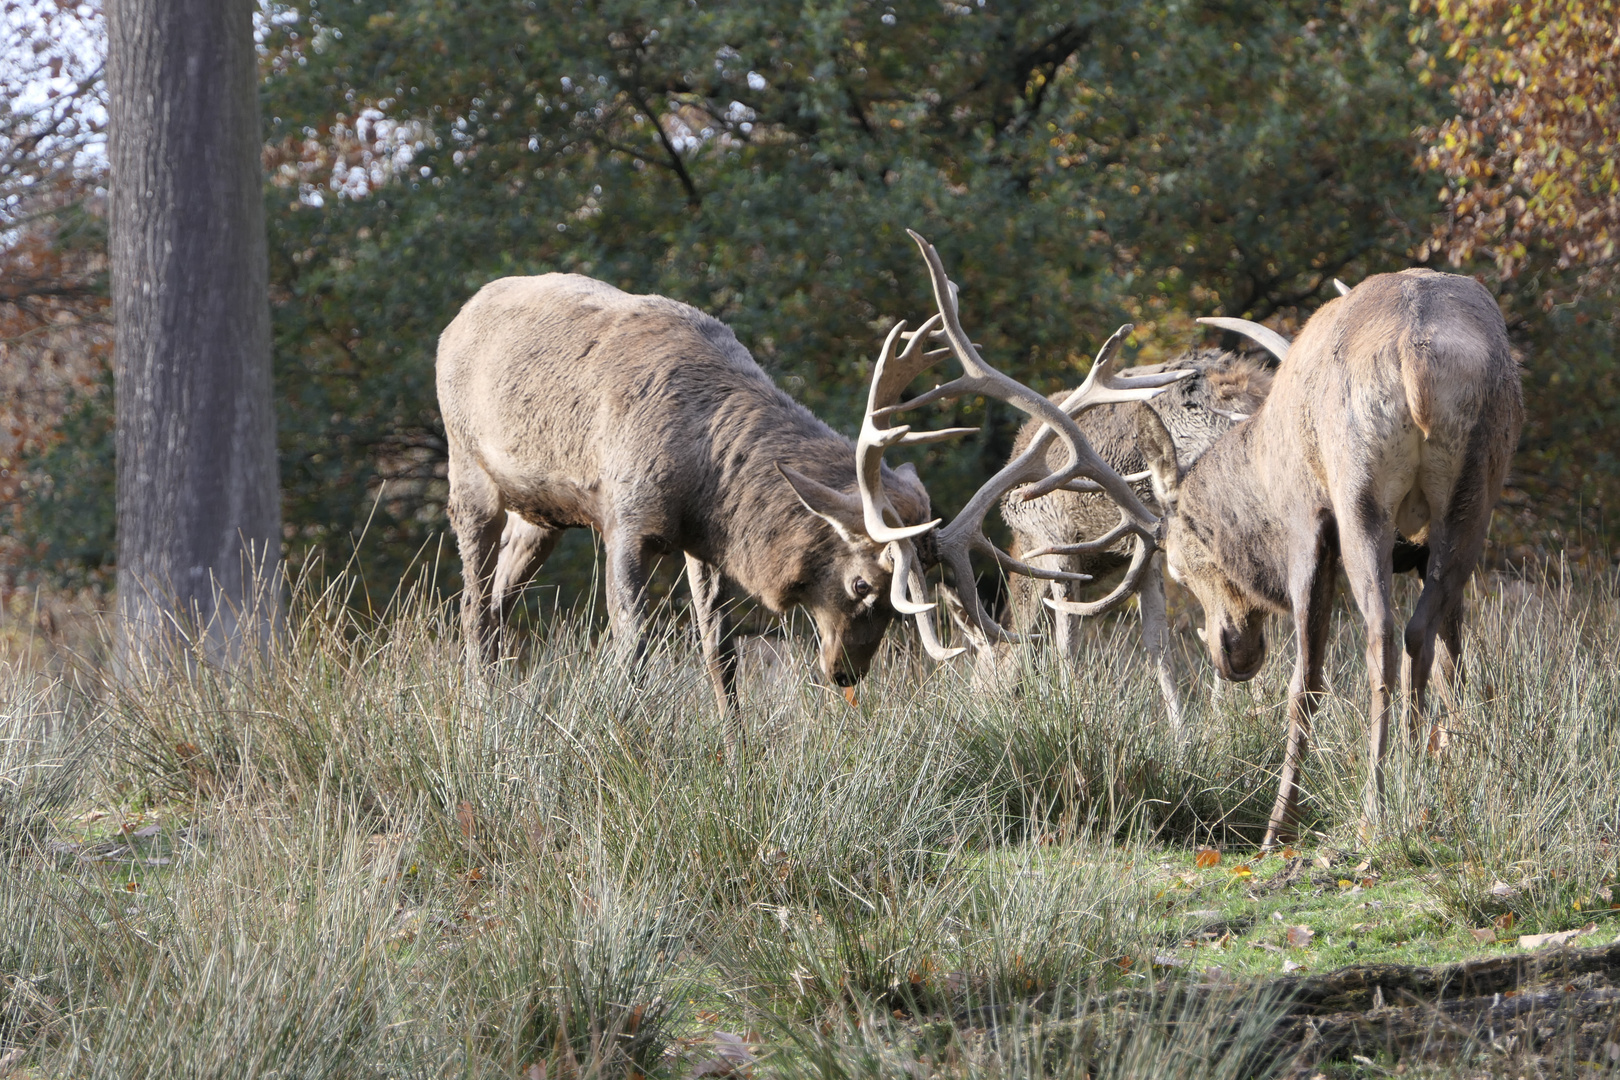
{"x":199,"y":512}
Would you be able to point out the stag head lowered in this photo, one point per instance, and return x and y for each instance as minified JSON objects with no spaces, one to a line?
{"x":1221,"y":390}
{"x":1395,"y":414}
{"x":1072,"y":466}
{"x":570,"y":404}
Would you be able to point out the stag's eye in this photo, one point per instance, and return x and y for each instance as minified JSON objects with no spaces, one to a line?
{"x":860,"y":588}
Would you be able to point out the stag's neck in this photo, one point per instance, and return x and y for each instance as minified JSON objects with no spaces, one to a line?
{"x":1250,"y":494}
{"x":754,"y":527}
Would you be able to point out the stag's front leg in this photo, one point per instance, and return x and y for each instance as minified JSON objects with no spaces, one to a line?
{"x":477,"y":515}
{"x":1156,"y":636}
{"x":1312,"y":599}
{"x":1366,"y":545}
{"x":719,"y":646}
{"x":627,"y":593}
{"x":1065,"y":625}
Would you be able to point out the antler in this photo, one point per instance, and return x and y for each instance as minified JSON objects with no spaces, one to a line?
{"x":965,"y":534}
{"x":1265,"y":336}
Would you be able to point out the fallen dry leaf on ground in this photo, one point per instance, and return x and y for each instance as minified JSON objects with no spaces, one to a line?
{"x":1536,"y":941}
{"x":1206,"y":858}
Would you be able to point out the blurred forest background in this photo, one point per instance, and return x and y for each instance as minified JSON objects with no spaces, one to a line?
{"x":1078,"y":164}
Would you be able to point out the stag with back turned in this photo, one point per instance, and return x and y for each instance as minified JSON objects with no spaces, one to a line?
{"x":568,"y":404}
{"x":1394,"y":414}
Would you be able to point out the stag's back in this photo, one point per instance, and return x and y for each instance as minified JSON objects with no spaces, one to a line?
{"x":560,"y":386}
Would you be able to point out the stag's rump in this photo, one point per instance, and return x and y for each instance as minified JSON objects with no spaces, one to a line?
{"x":1406,"y":384}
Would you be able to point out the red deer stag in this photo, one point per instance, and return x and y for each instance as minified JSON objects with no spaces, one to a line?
{"x":1395,"y":413}
{"x":568,"y":403}
{"x":1059,"y":530}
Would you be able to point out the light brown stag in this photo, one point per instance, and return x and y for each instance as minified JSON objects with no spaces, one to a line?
{"x":1395,"y":413}
{"x":568,"y":403}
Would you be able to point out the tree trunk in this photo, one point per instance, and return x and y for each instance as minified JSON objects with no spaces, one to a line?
{"x":199,"y":514}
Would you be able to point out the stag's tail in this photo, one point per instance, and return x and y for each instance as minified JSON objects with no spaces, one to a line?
{"x":1417,"y":371}
{"x":1454,"y":343}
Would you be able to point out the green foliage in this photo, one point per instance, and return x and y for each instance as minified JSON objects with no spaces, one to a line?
{"x":1076,"y":165}
{"x":66,"y":516}
{"x":1565,"y":484}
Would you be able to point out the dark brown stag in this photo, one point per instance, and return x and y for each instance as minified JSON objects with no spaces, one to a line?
{"x":1395,"y":414}
{"x":1059,"y":531}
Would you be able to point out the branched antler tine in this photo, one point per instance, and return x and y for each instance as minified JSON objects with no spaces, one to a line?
{"x":1091,"y":487}
{"x":920,"y":438}
{"x":945,"y":298}
{"x":1106,"y":540}
{"x":966,"y":533}
{"x":886,"y":534}
{"x":1133,"y":581}
{"x":953,"y":389}
{"x":1014,"y":565}
{"x":890,"y":376}
{"x":911,"y":363}
{"x":1102,"y":368}
{"x":966,"y":597}
{"x":917,"y":587}
{"x":1119,"y":392}
{"x":1113,"y":485}
{"x":903,"y":558}
{"x":1105,"y":386}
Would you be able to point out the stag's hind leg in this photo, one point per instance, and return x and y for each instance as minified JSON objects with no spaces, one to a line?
{"x":477,"y":514}
{"x":1366,"y":539}
{"x":525,"y":547}
{"x":1066,"y":626}
{"x":1456,"y":542}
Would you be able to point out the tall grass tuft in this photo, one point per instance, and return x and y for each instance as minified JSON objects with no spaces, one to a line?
{"x":355,"y":858}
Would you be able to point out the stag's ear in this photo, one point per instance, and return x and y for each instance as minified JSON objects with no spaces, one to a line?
{"x":837,"y":508}
{"x":1159,"y":450}
{"x":908,"y":472}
